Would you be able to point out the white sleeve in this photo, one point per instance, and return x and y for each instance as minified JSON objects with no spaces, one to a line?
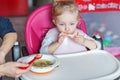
{"x":50,"y":37}
{"x":46,"y":42}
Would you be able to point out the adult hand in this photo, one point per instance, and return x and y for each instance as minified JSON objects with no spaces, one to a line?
{"x":12,"y":69}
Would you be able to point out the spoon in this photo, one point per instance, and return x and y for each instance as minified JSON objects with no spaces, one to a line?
{"x":38,"y":56}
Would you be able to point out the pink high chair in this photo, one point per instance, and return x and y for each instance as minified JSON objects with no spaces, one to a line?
{"x":38,"y":23}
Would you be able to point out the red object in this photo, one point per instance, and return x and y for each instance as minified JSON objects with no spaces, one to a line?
{"x":30,"y":62}
{"x":35,"y":58}
{"x":38,"y":23}
{"x":13,"y":7}
{"x":98,"y":5}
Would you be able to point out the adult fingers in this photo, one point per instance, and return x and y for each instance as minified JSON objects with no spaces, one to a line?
{"x":18,"y":64}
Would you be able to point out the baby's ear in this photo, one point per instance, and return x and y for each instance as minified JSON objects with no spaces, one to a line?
{"x":53,"y":21}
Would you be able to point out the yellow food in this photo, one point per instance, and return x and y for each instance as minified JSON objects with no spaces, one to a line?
{"x":42,"y":63}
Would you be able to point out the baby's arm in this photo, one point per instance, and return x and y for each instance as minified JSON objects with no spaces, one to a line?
{"x":52,"y":47}
{"x":89,"y":43}
{"x":48,"y":46}
{"x":85,"y":41}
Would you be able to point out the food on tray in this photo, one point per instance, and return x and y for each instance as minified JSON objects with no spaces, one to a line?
{"x":42,"y":63}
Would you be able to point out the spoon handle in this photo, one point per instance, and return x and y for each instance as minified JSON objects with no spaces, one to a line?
{"x":38,"y":56}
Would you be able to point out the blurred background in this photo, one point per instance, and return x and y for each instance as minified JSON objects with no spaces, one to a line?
{"x":105,"y":21}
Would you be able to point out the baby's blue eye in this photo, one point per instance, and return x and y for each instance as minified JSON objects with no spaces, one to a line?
{"x":61,"y":24}
{"x":72,"y":23}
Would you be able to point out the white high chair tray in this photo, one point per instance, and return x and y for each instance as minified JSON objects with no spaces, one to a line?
{"x":89,"y":65}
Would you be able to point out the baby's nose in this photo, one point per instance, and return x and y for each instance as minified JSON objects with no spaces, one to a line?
{"x":67,"y":28}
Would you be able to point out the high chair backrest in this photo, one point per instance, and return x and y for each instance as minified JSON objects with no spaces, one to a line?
{"x":38,"y":23}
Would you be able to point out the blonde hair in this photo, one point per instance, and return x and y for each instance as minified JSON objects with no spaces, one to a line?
{"x":60,"y":6}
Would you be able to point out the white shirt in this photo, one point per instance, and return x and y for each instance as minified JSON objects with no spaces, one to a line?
{"x":68,"y":45}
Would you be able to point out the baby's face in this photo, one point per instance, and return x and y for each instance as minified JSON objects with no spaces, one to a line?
{"x":67,"y":22}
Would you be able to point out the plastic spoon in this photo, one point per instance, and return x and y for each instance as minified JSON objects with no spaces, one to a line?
{"x":38,"y":56}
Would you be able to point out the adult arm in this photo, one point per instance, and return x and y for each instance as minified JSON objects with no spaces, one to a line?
{"x":8,"y":35}
{"x":8,"y":41}
{"x":12,"y":69}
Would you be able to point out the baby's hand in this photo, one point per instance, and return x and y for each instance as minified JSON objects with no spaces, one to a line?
{"x":61,"y":37}
{"x":78,"y":38}
{"x":73,"y":35}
